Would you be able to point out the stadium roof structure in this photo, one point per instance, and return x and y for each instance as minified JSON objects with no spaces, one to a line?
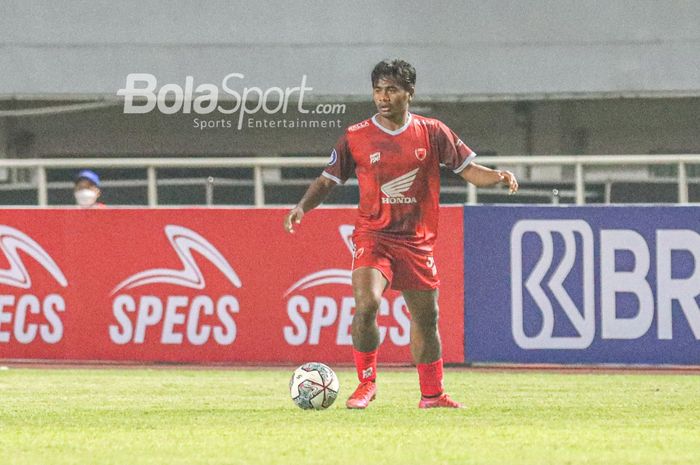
{"x":463,"y":51}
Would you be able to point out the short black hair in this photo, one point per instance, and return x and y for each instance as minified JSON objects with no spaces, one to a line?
{"x":399,"y":70}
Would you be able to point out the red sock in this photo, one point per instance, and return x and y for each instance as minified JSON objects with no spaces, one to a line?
{"x":366,"y":365}
{"x":430,"y":378}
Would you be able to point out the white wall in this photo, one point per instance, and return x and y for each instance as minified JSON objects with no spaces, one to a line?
{"x":463,"y":49}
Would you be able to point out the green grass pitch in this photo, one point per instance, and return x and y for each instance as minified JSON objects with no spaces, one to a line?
{"x":227,"y":416}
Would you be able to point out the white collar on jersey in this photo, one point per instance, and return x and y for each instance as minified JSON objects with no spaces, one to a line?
{"x":395,"y":132}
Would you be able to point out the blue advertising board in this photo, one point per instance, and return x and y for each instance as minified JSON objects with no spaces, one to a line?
{"x":582,"y":285}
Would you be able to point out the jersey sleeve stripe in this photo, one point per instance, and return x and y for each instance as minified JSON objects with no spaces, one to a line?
{"x":326,"y":174}
{"x":465,"y":163}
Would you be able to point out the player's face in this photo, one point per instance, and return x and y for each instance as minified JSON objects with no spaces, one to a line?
{"x":391,"y":99}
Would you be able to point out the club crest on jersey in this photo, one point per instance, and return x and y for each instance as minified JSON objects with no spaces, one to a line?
{"x":374,"y":158}
{"x":421,"y":154}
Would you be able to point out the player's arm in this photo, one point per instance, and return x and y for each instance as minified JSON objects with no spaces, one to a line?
{"x":455,"y":155}
{"x":482,"y":176}
{"x":315,"y":194}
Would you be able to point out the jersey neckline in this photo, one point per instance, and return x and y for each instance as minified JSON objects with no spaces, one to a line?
{"x":395,"y":132}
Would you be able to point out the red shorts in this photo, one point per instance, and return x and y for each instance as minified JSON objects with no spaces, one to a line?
{"x":405,"y":267}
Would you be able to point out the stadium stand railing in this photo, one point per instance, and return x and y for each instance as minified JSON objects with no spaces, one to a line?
{"x":259,"y":181}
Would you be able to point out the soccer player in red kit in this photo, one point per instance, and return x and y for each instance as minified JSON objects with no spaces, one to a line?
{"x":396,"y":157}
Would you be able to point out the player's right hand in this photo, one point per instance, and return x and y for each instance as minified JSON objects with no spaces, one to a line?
{"x":294,"y":216}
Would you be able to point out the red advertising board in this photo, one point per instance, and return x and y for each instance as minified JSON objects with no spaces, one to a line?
{"x":199,"y":285}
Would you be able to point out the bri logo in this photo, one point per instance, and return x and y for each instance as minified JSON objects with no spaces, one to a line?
{"x":582,"y":321}
{"x":625,"y":268}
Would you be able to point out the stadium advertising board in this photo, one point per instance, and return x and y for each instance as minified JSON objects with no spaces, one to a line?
{"x":197,"y":285}
{"x":582,"y":285}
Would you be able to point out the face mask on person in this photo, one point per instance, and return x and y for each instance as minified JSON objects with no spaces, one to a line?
{"x":86,"y":197}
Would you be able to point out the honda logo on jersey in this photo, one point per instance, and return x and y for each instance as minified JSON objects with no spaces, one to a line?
{"x":395,"y":189}
{"x":421,"y":154}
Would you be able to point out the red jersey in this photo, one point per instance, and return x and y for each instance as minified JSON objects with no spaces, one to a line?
{"x":399,"y":175}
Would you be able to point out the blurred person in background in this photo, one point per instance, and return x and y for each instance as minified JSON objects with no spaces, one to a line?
{"x":87,"y":190}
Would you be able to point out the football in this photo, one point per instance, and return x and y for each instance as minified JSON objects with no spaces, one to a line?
{"x":314,"y":386}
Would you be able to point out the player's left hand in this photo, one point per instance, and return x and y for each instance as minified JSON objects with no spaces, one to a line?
{"x":508,"y":179}
{"x":293,"y":217}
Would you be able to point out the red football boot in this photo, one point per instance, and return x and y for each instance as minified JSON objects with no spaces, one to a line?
{"x":363,"y":395}
{"x":443,"y":400}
